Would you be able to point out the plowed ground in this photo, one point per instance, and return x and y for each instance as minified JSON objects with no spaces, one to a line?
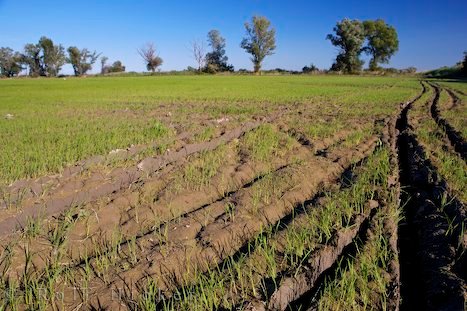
{"x":297,"y":207}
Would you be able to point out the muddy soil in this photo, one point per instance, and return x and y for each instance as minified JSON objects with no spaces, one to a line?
{"x":428,"y":253}
{"x":178,"y":231}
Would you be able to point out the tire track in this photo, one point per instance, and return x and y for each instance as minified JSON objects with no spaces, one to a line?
{"x":426,"y":256}
{"x":118,"y":180}
{"x":298,"y":212}
{"x":232,"y":237}
{"x":303,"y":291}
{"x":455,"y":137}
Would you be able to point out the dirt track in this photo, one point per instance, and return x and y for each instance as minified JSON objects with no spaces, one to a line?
{"x":427,"y":252}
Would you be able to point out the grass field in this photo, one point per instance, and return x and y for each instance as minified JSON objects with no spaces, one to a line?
{"x":232,"y":193}
{"x":58,"y":122}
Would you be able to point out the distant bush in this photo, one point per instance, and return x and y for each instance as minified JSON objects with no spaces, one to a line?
{"x":311,"y":69}
{"x":410,"y":70}
{"x":458,"y":70}
{"x":243,"y":70}
{"x":117,"y":66}
{"x":444,"y":72}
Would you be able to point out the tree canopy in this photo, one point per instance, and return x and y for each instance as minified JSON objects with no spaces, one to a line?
{"x":44,"y":58}
{"x":53,"y":56}
{"x":260,"y":40}
{"x":382,"y":42}
{"x":81,"y":60}
{"x":349,"y":36}
{"x":216,"y":60}
{"x":149,"y":55}
{"x":10,"y":62}
{"x":116,"y":66}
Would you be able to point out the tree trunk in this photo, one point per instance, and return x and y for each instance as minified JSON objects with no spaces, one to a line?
{"x":257,"y":67}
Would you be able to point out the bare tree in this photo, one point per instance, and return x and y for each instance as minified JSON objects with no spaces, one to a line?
{"x":199,"y":53}
{"x":150,"y":57}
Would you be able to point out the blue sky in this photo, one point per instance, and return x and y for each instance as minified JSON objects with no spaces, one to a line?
{"x":431,"y":33}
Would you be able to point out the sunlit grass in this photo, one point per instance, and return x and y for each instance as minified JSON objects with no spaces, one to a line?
{"x":56,"y":122}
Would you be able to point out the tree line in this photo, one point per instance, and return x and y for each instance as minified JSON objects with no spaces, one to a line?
{"x":46,"y":59}
{"x":352,"y":37}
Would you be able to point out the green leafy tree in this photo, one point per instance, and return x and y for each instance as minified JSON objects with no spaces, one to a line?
{"x":53,"y":57}
{"x":117,"y":66}
{"x":44,"y":58}
{"x":216,"y":60}
{"x":382,"y":42}
{"x":81,"y":60}
{"x":32,"y":58}
{"x":260,"y":40}
{"x":10,"y":62}
{"x":349,"y":36}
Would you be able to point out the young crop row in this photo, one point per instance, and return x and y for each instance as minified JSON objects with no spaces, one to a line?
{"x":279,"y":251}
{"x":55,"y":123}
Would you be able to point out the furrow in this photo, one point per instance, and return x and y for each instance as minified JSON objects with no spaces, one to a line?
{"x":426,"y":249}
{"x":116,"y":181}
{"x":455,"y":137}
{"x":223,"y":239}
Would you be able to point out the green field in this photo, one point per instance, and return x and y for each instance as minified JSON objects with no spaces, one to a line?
{"x":230,"y":192}
{"x":60,"y":121}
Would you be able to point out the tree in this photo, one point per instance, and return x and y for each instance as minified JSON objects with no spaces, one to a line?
{"x":260,"y":40}
{"x":32,"y":58}
{"x":409,"y":70}
{"x":53,"y":57}
{"x":149,"y":55}
{"x":10,"y":62}
{"x":117,"y":66}
{"x":382,"y":42}
{"x":81,"y":60}
{"x":349,"y":37}
{"x":216,"y":60}
{"x":310,"y":69}
{"x":199,"y":54}
{"x":44,"y":58}
{"x":464,"y":64}
{"x":104,"y":60}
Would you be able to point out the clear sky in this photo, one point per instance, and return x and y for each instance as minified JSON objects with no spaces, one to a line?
{"x":432,"y":33}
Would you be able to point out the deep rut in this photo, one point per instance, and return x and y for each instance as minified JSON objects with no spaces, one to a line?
{"x":426,"y":250}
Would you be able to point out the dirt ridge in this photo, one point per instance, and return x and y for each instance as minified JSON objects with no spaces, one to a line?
{"x":118,"y":179}
{"x":216,"y":249}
